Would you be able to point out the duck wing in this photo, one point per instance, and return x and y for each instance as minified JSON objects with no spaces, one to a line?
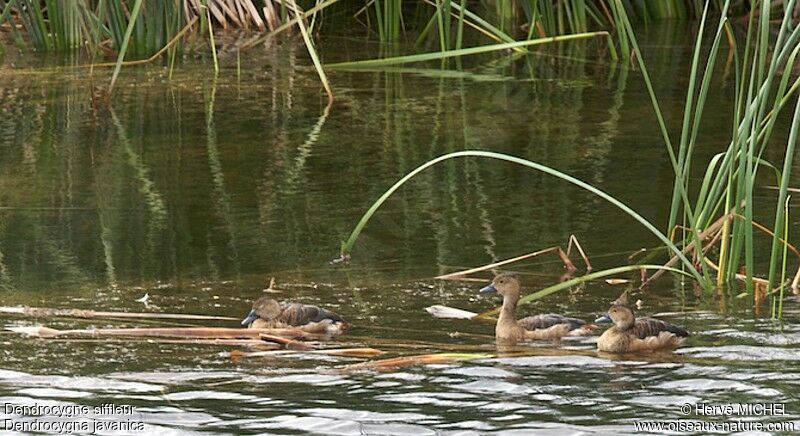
{"x":663,"y":340}
{"x":548,"y":320}
{"x":647,"y":327}
{"x":297,"y":314}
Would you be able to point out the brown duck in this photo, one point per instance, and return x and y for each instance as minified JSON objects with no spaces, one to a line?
{"x":545,"y":326}
{"x":631,"y":334}
{"x":268,"y":313}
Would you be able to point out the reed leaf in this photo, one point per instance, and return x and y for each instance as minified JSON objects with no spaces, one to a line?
{"x":313,"y":53}
{"x":348,"y":245}
{"x":125,"y":41}
{"x":463,"y":52}
{"x":782,"y":196}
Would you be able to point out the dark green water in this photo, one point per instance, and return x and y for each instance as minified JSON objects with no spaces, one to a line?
{"x":197,"y":190}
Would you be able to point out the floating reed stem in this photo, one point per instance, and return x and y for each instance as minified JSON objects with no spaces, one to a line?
{"x":44,"y":312}
{"x":421,"y":359}
{"x":344,"y":352}
{"x":166,"y":332}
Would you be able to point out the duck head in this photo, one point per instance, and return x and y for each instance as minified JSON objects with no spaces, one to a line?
{"x":265,"y":308}
{"x":506,"y":285}
{"x":622,"y":316}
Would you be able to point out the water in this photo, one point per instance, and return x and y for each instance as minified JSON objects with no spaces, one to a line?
{"x":196,"y":191}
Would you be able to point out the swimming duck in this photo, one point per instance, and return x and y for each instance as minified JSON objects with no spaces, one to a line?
{"x":629,"y":334}
{"x":545,"y":326}
{"x":268,"y":313}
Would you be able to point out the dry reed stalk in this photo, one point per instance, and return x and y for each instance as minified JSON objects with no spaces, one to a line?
{"x":286,"y":342}
{"x":761,"y":284}
{"x":234,"y":13}
{"x":573,"y":240}
{"x":44,"y":312}
{"x":756,"y":280}
{"x":421,"y":359}
{"x":221,"y":342}
{"x":168,"y":332}
{"x":344,"y":352}
{"x":705,"y":234}
{"x":564,"y":256}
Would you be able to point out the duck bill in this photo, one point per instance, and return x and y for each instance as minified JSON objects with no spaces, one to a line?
{"x":250,"y":318}
{"x":488,"y":288}
{"x":603,"y":319}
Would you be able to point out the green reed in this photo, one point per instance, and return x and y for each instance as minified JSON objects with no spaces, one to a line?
{"x":389,"y":18}
{"x":57,"y":25}
{"x":348,"y":245}
{"x":762,"y":88}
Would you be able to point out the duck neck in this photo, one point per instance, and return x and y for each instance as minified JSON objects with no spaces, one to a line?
{"x":624,"y":326}
{"x":508,"y":312}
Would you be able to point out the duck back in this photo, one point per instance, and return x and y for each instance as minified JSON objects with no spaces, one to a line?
{"x":646,"y":327}
{"x":298,"y":314}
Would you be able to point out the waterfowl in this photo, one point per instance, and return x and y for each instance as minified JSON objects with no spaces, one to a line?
{"x":629,"y":334}
{"x":545,"y":326}
{"x":268,"y":313}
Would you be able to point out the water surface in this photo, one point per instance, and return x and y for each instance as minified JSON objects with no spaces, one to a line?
{"x":197,"y":190}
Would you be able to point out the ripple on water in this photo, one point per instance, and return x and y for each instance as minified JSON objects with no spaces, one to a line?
{"x":495,"y":386}
{"x":311,"y":379}
{"x":666,"y":402}
{"x":175,"y":378}
{"x":366,"y":416}
{"x":77,"y":383}
{"x":212,"y":395}
{"x":307,"y":424}
{"x":705,"y":384}
{"x":766,"y":338}
{"x":733,"y":373}
{"x":176,"y":417}
{"x":402,"y":376}
{"x":442,"y":399}
{"x":329,"y":426}
{"x":480,"y":372}
{"x":742,"y":352}
{"x":53,"y":393}
{"x":542,"y":361}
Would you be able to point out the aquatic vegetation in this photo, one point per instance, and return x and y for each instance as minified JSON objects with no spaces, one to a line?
{"x":163,"y":332}
{"x":45,"y":312}
{"x":763,"y":72}
{"x":422,"y":359}
{"x":347,"y":246}
{"x":762,"y":86}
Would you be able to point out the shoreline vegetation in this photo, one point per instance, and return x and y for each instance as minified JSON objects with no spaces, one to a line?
{"x":710,"y":233}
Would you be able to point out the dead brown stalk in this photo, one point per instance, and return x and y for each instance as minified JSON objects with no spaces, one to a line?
{"x":564,"y":256}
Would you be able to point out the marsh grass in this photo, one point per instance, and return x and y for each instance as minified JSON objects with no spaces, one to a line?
{"x":347,"y":246}
{"x":764,"y":85}
{"x":763,"y":74}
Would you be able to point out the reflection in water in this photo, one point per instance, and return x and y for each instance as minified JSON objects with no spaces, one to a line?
{"x":197,"y":190}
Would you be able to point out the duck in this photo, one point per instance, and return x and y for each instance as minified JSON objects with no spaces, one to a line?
{"x":509,"y":330}
{"x":632,"y":334}
{"x":269,"y":313}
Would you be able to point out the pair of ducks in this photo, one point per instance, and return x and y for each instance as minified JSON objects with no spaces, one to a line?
{"x":628,"y":334}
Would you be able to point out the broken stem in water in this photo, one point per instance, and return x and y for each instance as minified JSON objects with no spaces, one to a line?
{"x":44,"y":312}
